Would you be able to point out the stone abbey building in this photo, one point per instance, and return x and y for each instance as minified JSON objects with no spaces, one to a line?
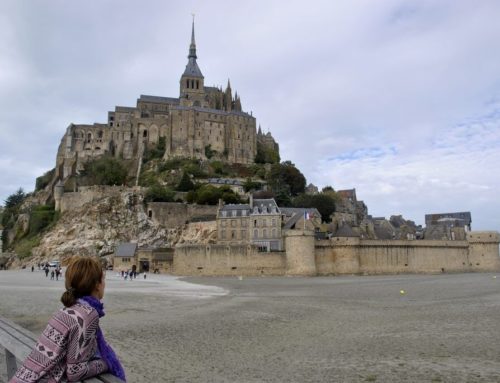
{"x":203,"y":121}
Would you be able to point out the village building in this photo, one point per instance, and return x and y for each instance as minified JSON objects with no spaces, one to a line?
{"x":258,"y":223}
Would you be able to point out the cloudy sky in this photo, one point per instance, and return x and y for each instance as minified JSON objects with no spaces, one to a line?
{"x":399,"y":99}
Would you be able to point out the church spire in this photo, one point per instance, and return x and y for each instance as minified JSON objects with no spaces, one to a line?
{"x":192,"y":46}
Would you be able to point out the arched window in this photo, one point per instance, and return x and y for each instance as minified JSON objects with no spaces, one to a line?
{"x":89,"y":137}
{"x":99,"y":135}
{"x":145,"y":133}
{"x":187,"y":83}
{"x":197,"y":84}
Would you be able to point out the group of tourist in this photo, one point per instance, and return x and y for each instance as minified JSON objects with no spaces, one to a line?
{"x":130,"y":274}
{"x":55,"y":272}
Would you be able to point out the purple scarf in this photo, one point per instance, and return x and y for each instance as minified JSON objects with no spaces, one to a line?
{"x":107,"y":353}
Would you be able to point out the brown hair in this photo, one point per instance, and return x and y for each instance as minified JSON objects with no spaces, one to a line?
{"x":82,"y":276}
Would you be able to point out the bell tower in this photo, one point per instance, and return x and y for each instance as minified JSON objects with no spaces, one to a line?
{"x":192,"y":90}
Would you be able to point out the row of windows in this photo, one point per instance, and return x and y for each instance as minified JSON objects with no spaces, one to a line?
{"x":264,"y":233}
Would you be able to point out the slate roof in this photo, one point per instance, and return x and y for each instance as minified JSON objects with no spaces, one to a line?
{"x":238,"y":208}
{"x":295,"y":214}
{"x":192,"y":69}
{"x":345,"y":231}
{"x":126,"y":249}
{"x":265,"y":206}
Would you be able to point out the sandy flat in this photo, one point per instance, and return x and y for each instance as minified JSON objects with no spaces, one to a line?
{"x":445,"y":328}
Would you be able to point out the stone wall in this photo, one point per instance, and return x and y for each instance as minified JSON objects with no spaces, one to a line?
{"x":341,"y":255}
{"x":85,"y":194}
{"x":172,"y":214}
{"x":227,"y":260}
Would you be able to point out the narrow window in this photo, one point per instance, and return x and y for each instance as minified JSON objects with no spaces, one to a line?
{"x":197,"y":84}
{"x":187,"y":83}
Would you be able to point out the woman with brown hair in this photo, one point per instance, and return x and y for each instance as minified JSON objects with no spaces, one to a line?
{"x":72,"y":346}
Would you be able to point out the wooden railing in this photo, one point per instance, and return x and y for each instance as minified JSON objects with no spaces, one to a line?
{"x":17,"y":343}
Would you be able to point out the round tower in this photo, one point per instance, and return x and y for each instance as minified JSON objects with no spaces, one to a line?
{"x":58,"y":193}
{"x":300,"y":259}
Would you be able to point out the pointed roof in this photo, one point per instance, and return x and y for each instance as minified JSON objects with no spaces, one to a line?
{"x":192,"y":69}
{"x":345,"y":231}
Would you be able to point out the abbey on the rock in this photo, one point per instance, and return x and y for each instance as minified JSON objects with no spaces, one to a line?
{"x":203,"y":122}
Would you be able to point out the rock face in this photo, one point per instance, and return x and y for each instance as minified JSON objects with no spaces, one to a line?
{"x":96,"y":228}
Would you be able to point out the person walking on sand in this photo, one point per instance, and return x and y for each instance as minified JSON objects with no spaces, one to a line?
{"x":72,"y":347}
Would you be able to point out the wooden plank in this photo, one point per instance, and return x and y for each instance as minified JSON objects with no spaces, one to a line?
{"x":18,"y":343}
{"x":11,"y":363}
{"x":16,"y":346}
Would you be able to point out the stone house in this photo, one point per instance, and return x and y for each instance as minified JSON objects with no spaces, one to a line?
{"x":258,"y":223}
{"x":144,"y":259}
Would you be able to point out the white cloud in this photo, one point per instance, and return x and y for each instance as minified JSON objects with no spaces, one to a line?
{"x":394,"y":87}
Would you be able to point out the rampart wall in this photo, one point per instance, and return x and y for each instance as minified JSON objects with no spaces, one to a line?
{"x":227,"y":260}
{"x":341,"y":255}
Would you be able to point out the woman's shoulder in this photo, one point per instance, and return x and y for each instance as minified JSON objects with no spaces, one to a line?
{"x":79,"y":314}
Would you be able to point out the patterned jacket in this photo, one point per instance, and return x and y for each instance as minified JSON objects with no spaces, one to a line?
{"x":66,"y":349}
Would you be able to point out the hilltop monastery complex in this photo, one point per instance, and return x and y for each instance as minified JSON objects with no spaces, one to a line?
{"x":201,"y":118}
{"x":258,"y":237}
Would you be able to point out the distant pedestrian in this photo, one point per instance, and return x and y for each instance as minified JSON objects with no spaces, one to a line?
{"x":52,"y":275}
{"x":144,"y":275}
{"x":46,"y":271}
{"x":32,"y":268}
{"x":58,"y":271}
{"x":131,"y":275}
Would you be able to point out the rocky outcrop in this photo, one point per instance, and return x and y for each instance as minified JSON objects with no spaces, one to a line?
{"x":97,"y":227}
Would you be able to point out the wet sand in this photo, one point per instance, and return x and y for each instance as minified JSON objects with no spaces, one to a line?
{"x":445,"y":328}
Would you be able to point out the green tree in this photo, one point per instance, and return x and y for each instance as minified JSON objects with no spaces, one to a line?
{"x":285,"y":178}
{"x":12,"y":206}
{"x":155,"y":152}
{"x":323,"y":202}
{"x":250,"y":185}
{"x":15,"y":199}
{"x":266,"y":155}
{"x":210,"y":195}
{"x":209,"y":152}
{"x":159,"y":193}
{"x":185,"y":183}
{"x":43,"y":181}
{"x":105,"y":171}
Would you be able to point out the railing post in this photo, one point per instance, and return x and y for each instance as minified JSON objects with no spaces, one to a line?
{"x":11,"y":363}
